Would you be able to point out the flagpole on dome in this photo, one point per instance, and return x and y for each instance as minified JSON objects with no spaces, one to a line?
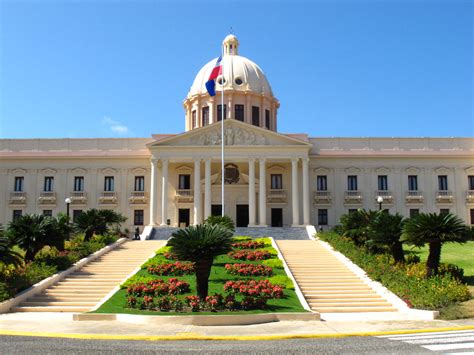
{"x":222,"y":134}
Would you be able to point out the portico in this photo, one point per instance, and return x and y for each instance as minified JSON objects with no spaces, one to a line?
{"x":255,"y":159}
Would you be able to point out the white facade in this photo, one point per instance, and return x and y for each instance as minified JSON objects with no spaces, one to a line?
{"x":273,"y":177}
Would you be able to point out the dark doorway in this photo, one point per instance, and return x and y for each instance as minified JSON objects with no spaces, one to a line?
{"x":183,"y":217}
{"x":216,"y":210}
{"x":242,"y":218}
{"x":277,"y":217}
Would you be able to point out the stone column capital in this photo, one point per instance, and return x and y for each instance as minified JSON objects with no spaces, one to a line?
{"x":295,"y":160}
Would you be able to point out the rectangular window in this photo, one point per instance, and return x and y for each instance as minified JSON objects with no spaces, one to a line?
{"x":205,"y":116}
{"x":139,"y":183}
{"x":75,"y":214}
{"x":184,"y":182}
{"x":442,"y":182}
{"x":322,"y":217}
{"x":19,"y":183}
{"x":276,"y":181}
{"x":239,"y":112}
{"x":413,"y":182}
{"x":256,"y":115}
{"x":219,"y":112}
{"x":352,"y":182}
{"x":109,"y":183}
{"x":470,"y":181}
{"x":138,"y":217}
{"x":79,"y":183}
{"x":48,"y":213}
{"x":472,"y":215}
{"x":267,"y":119}
{"x":193,"y":119}
{"x":48,"y":183}
{"x":352,"y":210}
{"x":321,"y":183}
{"x":444,"y":211}
{"x":414,"y":212}
{"x":382,"y":182}
{"x":17,"y":214}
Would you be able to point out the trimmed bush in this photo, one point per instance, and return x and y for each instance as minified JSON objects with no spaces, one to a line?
{"x":283,"y":281}
{"x":273,"y":263}
{"x":241,"y":238}
{"x":249,"y":270}
{"x":250,"y":255}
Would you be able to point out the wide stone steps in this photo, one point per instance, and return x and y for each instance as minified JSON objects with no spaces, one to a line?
{"x":83,"y":289}
{"x":328,"y":285}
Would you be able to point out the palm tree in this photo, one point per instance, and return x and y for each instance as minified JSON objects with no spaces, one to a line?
{"x":61,"y":231}
{"x":225,"y":221}
{"x":31,"y":232}
{"x":384,"y":230}
{"x":201,"y":244}
{"x":96,"y":221}
{"x":435,"y":230}
{"x":7,"y":254}
{"x":355,"y":225}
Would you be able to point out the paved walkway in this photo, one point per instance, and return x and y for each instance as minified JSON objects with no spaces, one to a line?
{"x":61,"y":323}
{"x":83,"y":289}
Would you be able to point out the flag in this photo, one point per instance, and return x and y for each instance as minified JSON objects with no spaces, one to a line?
{"x":211,"y":83}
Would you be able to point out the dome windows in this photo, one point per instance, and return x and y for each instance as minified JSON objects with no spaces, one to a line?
{"x":221,"y":80}
{"x":238,"y":81}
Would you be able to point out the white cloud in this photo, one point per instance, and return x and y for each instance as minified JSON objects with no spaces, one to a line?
{"x":115,"y":126}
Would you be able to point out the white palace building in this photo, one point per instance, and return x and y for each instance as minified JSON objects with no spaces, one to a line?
{"x":272,"y":179}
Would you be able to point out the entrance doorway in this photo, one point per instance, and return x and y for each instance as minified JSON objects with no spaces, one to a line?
{"x":183,"y":217}
{"x":242,"y":217}
{"x":216,"y":210}
{"x":277,"y":217}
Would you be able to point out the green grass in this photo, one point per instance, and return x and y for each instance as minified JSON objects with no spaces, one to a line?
{"x":219,"y":276}
{"x":461,"y":255}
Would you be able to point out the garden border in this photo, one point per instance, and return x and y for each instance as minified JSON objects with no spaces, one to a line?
{"x":200,"y":320}
{"x":380,"y":289}
{"x":5,"y":306}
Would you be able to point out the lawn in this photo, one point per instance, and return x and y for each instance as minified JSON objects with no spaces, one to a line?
{"x":218,"y":277}
{"x":461,"y":255}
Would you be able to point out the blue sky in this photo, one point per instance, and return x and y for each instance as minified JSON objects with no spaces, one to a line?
{"x":339,"y":68}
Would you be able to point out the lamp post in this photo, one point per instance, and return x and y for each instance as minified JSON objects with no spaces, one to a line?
{"x":380,"y":201}
{"x":68,"y":202}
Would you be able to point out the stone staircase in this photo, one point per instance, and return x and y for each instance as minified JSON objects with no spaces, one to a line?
{"x":277,"y":233}
{"x":83,"y":289}
{"x":327,"y":284}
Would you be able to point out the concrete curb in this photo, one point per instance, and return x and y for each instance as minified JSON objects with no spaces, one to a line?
{"x":44,"y":284}
{"x":193,"y":336}
{"x":199,"y":320}
{"x":381,"y":290}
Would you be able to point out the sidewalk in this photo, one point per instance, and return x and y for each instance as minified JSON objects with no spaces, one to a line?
{"x":62,"y":325}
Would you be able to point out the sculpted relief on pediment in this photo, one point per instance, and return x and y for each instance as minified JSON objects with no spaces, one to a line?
{"x":232,"y":136}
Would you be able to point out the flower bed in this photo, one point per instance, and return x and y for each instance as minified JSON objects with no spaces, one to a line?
{"x":249,"y":270}
{"x":408,"y":281}
{"x":159,"y":288}
{"x":248,"y":245}
{"x":178,"y":268}
{"x":250,"y":255}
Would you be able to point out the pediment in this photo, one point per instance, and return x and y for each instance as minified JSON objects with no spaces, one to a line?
{"x":236,"y":133}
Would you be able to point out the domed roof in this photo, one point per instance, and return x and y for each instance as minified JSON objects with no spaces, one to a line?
{"x":240,"y":73}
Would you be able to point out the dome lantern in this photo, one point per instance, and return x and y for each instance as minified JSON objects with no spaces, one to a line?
{"x":230,"y":45}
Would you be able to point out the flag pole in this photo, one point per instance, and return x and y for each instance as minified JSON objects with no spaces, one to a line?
{"x":222,"y":135}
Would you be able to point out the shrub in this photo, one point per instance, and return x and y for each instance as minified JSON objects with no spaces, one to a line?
{"x":105,"y":239}
{"x":406,"y":281}
{"x":51,"y":256}
{"x":283,"y":281}
{"x":248,"y":245}
{"x":254,"y":288}
{"x":249,"y":255}
{"x":241,"y":238}
{"x":163,"y":250}
{"x":177,"y":269}
{"x":138,"y":279}
{"x":266,"y":241}
{"x":4,"y":292}
{"x":248,"y":270}
{"x":224,"y":221}
{"x":273,"y":263}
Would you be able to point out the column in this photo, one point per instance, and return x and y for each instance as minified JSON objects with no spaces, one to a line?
{"x":197,"y":191}
{"x":294,"y":191}
{"x":263,"y":195}
{"x":207,"y":188}
{"x":153,"y":192}
{"x":212,"y":110}
{"x":252,"y":220}
{"x":306,"y":205}
{"x":164,"y":189}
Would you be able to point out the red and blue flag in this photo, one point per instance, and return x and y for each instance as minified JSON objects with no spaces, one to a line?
{"x":216,"y":71}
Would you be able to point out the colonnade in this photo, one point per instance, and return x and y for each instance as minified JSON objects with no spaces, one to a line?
{"x":262,"y":192}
